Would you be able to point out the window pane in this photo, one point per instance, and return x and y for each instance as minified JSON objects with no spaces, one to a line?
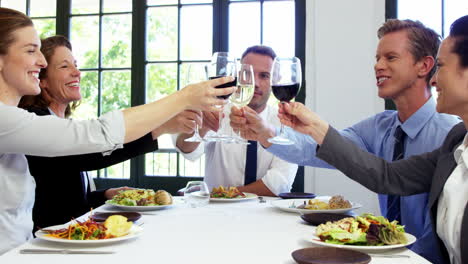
{"x":115,"y":90}
{"x":84,"y":37}
{"x":14,"y":4}
{"x":162,"y":2}
{"x":430,"y":15}
{"x":161,"y":80}
{"x":190,"y":168}
{"x":244,"y":26}
{"x":89,"y":96}
{"x":454,"y":9}
{"x":85,"y":6}
{"x":45,"y":27}
{"x":117,"y":41}
{"x":117,"y":6}
{"x":191,"y":73}
{"x":162,"y":33}
{"x":161,"y":164}
{"x":196,"y":32}
{"x":118,"y":171}
{"x":279,"y":33}
{"x":41,"y":8}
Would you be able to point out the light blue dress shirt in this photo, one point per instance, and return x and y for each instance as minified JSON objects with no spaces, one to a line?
{"x":425,"y":129}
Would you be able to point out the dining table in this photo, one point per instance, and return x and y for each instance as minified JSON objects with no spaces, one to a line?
{"x":237,"y":232}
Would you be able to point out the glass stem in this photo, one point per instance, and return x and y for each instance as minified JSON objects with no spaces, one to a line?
{"x":220,"y":120}
{"x":281,"y":131}
{"x":196,"y":134}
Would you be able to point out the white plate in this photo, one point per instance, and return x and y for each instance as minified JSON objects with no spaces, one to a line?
{"x":139,"y":208}
{"x":286,"y":204}
{"x":316,"y":240}
{"x":248,"y":196}
{"x":134,"y":232}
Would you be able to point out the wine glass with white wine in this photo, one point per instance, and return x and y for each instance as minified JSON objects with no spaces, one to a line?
{"x":244,"y":93}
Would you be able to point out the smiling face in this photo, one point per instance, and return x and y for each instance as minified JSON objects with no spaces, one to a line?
{"x":261,"y":65}
{"x":395,"y":69}
{"x":451,"y":81}
{"x":20,"y":66}
{"x":62,"y":81}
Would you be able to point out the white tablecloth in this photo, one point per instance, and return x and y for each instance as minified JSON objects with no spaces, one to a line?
{"x":221,"y":233}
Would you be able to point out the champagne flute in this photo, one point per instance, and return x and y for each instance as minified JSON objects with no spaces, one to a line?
{"x":195,"y":73}
{"x":245,"y":91}
{"x":286,"y":80}
{"x":222,"y":64}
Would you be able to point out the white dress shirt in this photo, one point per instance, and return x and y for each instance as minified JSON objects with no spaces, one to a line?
{"x":452,"y":203}
{"x":225,"y":163}
{"x":22,"y":133}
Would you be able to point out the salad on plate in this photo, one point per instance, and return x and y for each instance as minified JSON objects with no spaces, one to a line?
{"x":141,"y":197}
{"x":364,"y":230}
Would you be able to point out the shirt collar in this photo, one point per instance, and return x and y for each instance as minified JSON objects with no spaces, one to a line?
{"x":418,"y":120}
{"x":51,"y":112}
{"x":458,"y":153}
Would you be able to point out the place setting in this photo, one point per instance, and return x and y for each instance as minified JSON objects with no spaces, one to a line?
{"x":141,"y":200}
{"x":320,"y":204}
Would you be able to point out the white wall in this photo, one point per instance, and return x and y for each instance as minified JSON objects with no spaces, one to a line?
{"x":340,"y":85}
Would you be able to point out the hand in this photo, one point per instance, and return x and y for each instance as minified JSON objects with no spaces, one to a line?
{"x":202,"y":96}
{"x":251,"y":125}
{"x":184,"y":122}
{"x":210,"y":122}
{"x":110,"y":193}
{"x":302,"y":119}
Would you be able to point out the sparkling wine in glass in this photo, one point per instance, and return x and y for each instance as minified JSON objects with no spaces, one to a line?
{"x":222,"y":64}
{"x":286,"y":80}
{"x":245,"y":91}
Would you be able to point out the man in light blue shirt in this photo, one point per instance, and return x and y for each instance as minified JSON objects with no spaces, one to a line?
{"x":404,"y":65}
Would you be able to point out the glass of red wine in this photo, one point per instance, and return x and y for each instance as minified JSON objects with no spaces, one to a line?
{"x":222,"y":64}
{"x":286,"y":80}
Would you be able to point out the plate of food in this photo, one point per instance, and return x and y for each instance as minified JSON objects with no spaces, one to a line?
{"x":230,"y":194}
{"x":365,"y":233}
{"x":321,"y":204}
{"x":115,"y":228}
{"x":141,"y":200}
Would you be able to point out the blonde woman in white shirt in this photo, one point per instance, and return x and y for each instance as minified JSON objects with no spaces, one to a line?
{"x":24,"y":133}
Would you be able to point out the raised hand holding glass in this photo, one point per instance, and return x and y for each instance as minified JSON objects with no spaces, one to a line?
{"x":222,"y":64}
{"x":195,"y":73}
{"x":286,"y":78}
{"x":245,"y":91}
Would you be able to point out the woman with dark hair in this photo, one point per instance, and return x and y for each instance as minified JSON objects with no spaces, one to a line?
{"x":60,"y":94}
{"x":443,"y":173}
{"x":26,"y":133}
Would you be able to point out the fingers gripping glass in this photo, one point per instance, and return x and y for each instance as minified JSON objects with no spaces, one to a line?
{"x":222,"y":64}
{"x":195,"y":73}
{"x":245,"y":91}
{"x":286,"y":80}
